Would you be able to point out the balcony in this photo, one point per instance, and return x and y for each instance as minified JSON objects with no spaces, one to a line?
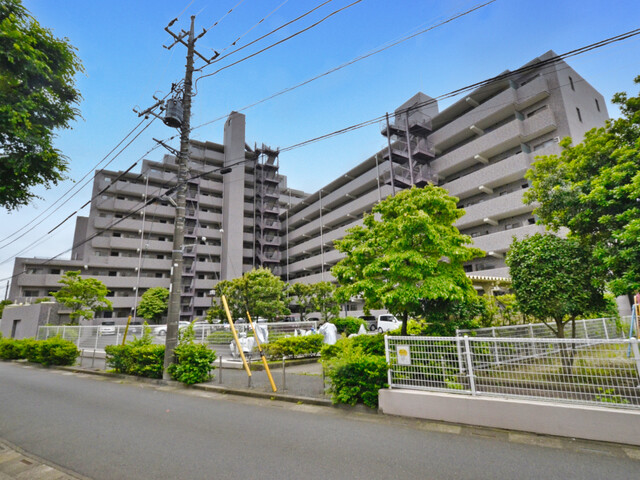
{"x":490,"y":144}
{"x":501,"y":241}
{"x":508,"y":170}
{"x":421,"y":150}
{"x":494,"y":209}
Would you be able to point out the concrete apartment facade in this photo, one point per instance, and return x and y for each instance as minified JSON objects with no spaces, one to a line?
{"x":478,"y":149}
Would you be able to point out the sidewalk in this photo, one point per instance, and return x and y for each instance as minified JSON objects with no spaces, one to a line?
{"x":17,"y":464}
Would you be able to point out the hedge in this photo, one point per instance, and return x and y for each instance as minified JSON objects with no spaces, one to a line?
{"x":348,"y":325}
{"x":53,"y":351}
{"x":295,"y":346}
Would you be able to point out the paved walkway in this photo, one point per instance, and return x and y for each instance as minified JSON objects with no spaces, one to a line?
{"x":18,"y":464}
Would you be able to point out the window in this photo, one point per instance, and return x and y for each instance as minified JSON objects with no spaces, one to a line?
{"x":55,"y":271}
{"x":113,"y":273}
{"x":117,"y":234}
{"x":579,"y":114}
{"x":31,"y":293}
{"x":158,"y":275}
{"x":531,"y":221}
{"x":572,"y":85}
{"x":597,"y":104}
{"x":114,"y":254}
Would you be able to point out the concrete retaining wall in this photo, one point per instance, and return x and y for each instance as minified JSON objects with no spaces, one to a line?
{"x":576,"y":421}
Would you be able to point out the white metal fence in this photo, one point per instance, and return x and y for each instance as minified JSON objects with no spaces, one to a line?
{"x":97,"y":337}
{"x":588,"y":371}
{"x":602,"y":328}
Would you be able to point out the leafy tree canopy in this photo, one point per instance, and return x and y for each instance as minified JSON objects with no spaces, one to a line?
{"x":302,"y":297}
{"x":407,"y":252}
{"x":555,"y":279}
{"x":593,"y":189}
{"x":153,"y":304}
{"x":37,"y":96}
{"x":259,"y":292}
{"x":324,"y":300}
{"x":84,"y":296}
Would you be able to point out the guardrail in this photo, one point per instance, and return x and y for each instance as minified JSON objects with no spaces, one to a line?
{"x":586,"y":371}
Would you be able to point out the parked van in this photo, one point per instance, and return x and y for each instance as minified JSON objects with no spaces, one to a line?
{"x":388,"y":322}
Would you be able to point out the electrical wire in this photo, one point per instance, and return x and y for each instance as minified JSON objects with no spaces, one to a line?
{"x":232,"y":44}
{"x":225,"y":15}
{"x":277,"y":29}
{"x":504,"y":76}
{"x":277,"y":43}
{"x":458,"y":91}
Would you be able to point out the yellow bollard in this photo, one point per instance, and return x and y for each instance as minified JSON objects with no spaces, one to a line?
{"x":126,"y":329}
{"x":235,"y":335}
{"x":264,"y":360}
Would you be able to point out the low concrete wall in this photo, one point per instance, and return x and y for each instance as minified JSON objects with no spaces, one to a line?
{"x":575,"y":421}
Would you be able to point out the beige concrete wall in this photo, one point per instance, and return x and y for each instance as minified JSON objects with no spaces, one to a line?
{"x":575,"y":421}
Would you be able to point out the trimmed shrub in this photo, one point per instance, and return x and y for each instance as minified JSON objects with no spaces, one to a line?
{"x":31,"y":350}
{"x":142,"y":359}
{"x":348,"y":325}
{"x":10,"y":349}
{"x":193,"y":363}
{"x":357,"y":368}
{"x":357,"y":379}
{"x":295,"y":346}
{"x":57,"y":351}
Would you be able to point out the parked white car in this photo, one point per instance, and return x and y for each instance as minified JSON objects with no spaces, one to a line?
{"x":388,"y":322}
{"x":161,"y":330}
{"x":107,"y":328}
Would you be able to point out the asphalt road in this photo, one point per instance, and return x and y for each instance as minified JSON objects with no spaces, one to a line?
{"x":114,"y":429}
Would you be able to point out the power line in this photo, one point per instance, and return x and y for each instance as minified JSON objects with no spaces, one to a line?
{"x":473,"y":86}
{"x":232,"y":44}
{"x":278,"y":42}
{"x":81,"y":187}
{"x":300,"y":17}
{"x":351,"y":62}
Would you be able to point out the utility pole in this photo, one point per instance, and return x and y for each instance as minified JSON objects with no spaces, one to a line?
{"x":173,"y":315}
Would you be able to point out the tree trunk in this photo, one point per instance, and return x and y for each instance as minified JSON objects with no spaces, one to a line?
{"x":405,"y":321}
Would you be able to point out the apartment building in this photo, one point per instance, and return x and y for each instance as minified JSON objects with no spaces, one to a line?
{"x":241,"y":213}
{"x":130,"y":253}
{"x":479,"y":149}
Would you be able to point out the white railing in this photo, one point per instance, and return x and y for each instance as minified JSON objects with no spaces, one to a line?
{"x":97,"y":337}
{"x":602,"y":328}
{"x":588,"y":371}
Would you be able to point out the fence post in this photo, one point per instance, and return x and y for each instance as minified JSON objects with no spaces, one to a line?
{"x":95,"y":347}
{"x":78,"y":339}
{"x":584,"y":327}
{"x":495,"y":345}
{"x":604,"y":325}
{"x":531,"y":331}
{"x":460,"y":361}
{"x":636,"y":353}
{"x":472,"y":381}
{"x":220,"y":370}
{"x":284,"y":375}
{"x":388,"y":358}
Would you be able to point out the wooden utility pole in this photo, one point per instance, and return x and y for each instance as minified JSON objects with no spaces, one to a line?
{"x":173,"y":315}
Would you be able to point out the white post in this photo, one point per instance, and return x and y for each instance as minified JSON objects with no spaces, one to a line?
{"x":604,"y":325}
{"x":636,"y":353}
{"x":472,"y":380}
{"x":459,"y":348}
{"x":387,"y":356}
{"x":495,"y":345}
{"x":584,"y":325}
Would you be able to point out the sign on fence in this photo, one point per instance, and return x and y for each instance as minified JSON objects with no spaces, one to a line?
{"x":403,"y":355}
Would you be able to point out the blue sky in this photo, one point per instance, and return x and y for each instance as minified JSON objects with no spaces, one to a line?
{"x":120,"y":44}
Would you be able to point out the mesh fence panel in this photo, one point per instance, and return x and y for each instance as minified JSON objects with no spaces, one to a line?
{"x":587,"y":371}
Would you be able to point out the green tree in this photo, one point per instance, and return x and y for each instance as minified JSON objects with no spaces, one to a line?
{"x":84,"y":296}
{"x":3,"y":304}
{"x":153,"y":304}
{"x":593,"y":189}
{"x":259,"y":292}
{"x":324,"y":300}
{"x":555,"y":280}
{"x":407,"y":252}
{"x":302,"y":297}
{"x":37,"y":96}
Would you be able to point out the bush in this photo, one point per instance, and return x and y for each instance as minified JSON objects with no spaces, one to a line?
{"x":140,"y":359}
{"x":357,"y":368}
{"x":57,"y":351}
{"x":366,"y":344}
{"x":295,"y":346}
{"x":10,"y":349}
{"x":348,"y":325}
{"x":356,"y":378}
{"x":31,"y":350}
{"x":193,"y":363}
